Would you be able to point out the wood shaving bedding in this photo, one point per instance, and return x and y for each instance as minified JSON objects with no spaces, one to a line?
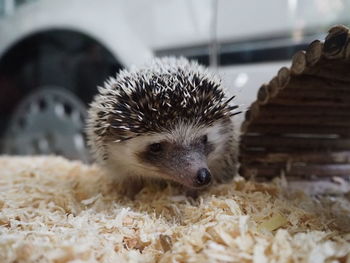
{"x":54,"y":210}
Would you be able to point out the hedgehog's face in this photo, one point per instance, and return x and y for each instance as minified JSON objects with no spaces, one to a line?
{"x":182,"y":155}
{"x":185,"y":163}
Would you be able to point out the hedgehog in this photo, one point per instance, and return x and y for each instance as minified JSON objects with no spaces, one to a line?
{"x":169,"y":120}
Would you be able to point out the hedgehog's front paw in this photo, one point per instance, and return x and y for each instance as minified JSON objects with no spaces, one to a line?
{"x":192,"y":193}
{"x":131,"y":187}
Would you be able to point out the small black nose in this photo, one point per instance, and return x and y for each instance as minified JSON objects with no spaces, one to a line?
{"x":203,"y":177}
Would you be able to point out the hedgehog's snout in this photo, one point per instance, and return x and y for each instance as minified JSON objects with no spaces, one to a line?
{"x":203,"y":177}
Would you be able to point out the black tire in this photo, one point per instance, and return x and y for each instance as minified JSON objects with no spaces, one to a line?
{"x":69,"y":61}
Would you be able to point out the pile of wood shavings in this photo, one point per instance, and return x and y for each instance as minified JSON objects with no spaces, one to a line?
{"x":54,"y":210}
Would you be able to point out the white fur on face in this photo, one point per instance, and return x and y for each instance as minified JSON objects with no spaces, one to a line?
{"x":185,"y":134}
{"x":218,"y":139}
{"x":122,"y":156}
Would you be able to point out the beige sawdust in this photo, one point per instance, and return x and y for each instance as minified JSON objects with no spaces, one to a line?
{"x":54,"y":210}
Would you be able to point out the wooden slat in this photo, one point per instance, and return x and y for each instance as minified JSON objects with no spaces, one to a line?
{"x":309,"y":171}
{"x":306,"y":110}
{"x":317,"y":120}
{"x":306,"y":157}
{"x":275,"y":143}
{"x":299,"y":129}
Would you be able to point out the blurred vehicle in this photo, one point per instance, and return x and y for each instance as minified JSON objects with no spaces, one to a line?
{"x":54,"y":54}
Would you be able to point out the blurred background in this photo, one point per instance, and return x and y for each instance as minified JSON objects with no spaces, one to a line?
{"x":54,"y":54}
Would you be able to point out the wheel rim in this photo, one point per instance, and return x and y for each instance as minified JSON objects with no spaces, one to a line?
{"x":49,"y":121}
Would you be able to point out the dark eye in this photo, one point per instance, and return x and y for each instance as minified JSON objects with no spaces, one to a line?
{"x":204,"y":139}
{"x":155,"y":147}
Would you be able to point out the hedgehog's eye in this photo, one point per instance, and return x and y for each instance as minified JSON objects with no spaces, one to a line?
{"x":155,"y":147}
{"x":204,"y":139}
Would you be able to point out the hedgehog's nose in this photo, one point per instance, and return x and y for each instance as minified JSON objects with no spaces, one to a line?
{"x":203,"y":177}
